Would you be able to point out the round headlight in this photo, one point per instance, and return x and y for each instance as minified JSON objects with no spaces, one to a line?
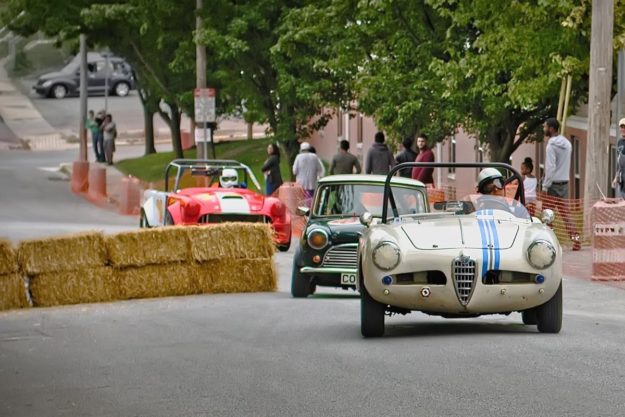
{"x":541,"y":254}
{"x":386,"y":256}
{"x":317,"y":239}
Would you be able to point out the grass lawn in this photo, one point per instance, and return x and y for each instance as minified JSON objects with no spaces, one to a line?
{"x":252,"y":153}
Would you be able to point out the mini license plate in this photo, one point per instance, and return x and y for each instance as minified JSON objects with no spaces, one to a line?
{"x":348,"y":279}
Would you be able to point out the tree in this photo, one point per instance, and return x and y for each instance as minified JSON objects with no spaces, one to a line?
{"x":274,"y":72}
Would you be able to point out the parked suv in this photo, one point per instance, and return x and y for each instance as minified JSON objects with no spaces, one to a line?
{"x":67,"y":81}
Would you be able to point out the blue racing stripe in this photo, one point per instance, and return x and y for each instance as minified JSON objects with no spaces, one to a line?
{"x":496,"y":243}
{"x":480,"y":223}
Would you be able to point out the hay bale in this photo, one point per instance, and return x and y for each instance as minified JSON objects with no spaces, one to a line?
{"x":8,"y":258}
{"x":231,"y":240}
{"x":158,"y":280}
{"x":84,"y":285}
{"x":237,"y":275}
{"x":63,"y":253}
{"x":12,"y":292}
{"x":149,"y":247}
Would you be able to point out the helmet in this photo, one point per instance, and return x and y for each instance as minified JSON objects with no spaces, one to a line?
{"x":229,"y":178}
{"x":488,"y":175}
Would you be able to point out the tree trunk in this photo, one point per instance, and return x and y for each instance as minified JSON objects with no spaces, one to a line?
{"x":172,"y":118}
{"x":176,"y":138}
{"x":148,"y":121}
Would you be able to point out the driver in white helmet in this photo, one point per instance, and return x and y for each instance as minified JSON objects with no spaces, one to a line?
{"x":490,"y":182}
{"x":229,"y":178}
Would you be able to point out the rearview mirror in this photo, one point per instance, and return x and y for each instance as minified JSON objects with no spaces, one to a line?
{"x":548,"y":216}
{"x":366,"y":218}
{"x":302,"y":211}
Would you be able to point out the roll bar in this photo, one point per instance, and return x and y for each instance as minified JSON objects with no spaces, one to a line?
{"x":183,"y":164}
{"x":388,"y":192}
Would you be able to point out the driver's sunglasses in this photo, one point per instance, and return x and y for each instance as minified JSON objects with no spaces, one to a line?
{"x":229,"y":178}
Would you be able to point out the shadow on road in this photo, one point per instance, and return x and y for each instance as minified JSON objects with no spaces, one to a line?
{"x":456,"y":328}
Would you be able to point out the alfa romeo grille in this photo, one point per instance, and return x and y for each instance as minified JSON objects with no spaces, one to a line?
{"x":464,"y":272}
{"x":341,"y":256}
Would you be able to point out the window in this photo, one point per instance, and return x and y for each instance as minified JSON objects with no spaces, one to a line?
{"x":452,"y":156}
{"x":576,"y":168}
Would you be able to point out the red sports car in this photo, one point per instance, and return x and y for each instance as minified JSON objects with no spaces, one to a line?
{"x":223,"y":197}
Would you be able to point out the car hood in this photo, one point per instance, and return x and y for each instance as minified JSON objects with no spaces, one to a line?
{"x":225,"y":201}
{"x":342,"y":230}
{"x":51,"y":75}
{"x":458,"y":232}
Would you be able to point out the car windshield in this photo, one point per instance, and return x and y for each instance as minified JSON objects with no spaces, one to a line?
{"x":355,"y":199}
{"x":482,"y":204}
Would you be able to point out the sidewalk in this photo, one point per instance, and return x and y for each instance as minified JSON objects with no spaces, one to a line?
{"x":24,"y":120}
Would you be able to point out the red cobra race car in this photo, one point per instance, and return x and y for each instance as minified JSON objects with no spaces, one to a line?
{"x":224,"y":198}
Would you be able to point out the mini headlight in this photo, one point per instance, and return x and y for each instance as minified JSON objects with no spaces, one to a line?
{"x":47,"y":83}
{"x":317,"y":239}
{"x":541,"y":254}
{"x":386,"y":256}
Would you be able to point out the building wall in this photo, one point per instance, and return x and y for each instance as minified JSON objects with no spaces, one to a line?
{"x":359,"y":130}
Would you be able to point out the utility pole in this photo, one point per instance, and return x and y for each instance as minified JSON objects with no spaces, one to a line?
{"x":82,"y":132}
{"x":200,"y":67}
{"x":599,"y":98}
{"x":620,"y":97}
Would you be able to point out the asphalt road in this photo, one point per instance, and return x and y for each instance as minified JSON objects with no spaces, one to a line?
{"x":36,"y":201}
{"x":271,"y":355}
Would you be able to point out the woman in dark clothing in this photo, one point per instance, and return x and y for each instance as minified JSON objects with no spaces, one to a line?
{"x":271,"y":169}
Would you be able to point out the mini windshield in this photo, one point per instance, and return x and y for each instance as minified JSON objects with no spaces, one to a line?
{"x":355,"y":199}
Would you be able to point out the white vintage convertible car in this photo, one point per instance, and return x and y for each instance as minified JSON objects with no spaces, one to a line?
{"x":479,"y":255}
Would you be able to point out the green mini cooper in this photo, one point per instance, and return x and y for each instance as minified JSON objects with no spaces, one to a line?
{"x":327,"y":254}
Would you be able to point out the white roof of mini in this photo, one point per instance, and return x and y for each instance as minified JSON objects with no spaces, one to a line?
{"x":370,"y":178}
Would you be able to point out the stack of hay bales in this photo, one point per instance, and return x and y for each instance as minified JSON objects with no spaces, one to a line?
{"x":169,"y":261}
{"x":153,"y":263}
{"x":234,"y":257}
{"x":68,"y":269}
{"x":12,"y":288}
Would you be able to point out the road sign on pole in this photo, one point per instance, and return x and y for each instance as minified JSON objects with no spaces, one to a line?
{"x":205,"y":105}
{"x":204,"y":114}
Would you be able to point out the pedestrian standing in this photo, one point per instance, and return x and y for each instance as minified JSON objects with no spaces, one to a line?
{"x":344,"y":162}
{"x":425,"y":175}
{"x":530,"y":184}
{"x":406,"y":155}
{"x":556,"y":177}
{"x":307,"y":169}
{"x":94,"y":131}
{"x":99,"y":121}
{"x":379,"y":158}
{"x":110,"y":133}
{"x":618,"y":183}
{"x":271,"y":169}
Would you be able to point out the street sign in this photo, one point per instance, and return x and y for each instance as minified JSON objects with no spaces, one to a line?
{"x":204,"y":105}
{"x":202,"y":136}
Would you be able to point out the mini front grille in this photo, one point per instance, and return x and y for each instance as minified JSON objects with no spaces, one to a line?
{"x":223,"y":218}
{"x":464,"y":272}
{"x":341,"y":256}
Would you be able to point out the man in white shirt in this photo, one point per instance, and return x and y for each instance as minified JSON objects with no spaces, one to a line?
{"x":307,"y":169}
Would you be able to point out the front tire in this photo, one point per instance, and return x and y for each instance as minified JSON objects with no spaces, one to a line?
{"x":549,"y":315}
{"x":143,"y":221}
{"x":169,"y":220}
{"x":58,"y":91}
{"x":529,"y":317}
{"x":285,"y":247}
{"x":301,"y":286}
{"x":371,"y":315}
{"x":122,"y":89}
